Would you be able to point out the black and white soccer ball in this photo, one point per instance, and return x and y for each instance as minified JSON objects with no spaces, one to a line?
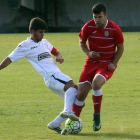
{"x":73,"y":127}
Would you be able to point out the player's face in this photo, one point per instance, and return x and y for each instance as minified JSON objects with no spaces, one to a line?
{"x":38,"y":35}
{"x":100,"y":19}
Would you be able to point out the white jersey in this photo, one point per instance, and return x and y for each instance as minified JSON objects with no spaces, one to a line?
{"x":38,"y":54}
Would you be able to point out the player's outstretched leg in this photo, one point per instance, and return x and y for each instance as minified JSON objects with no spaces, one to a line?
{"x":51,"y":126}
{"x":96,"y":122}
{"x":69,"y":114}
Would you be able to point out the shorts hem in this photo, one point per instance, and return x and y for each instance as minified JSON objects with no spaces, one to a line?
{"x":102,"y":76}
{"x":84,"y":82}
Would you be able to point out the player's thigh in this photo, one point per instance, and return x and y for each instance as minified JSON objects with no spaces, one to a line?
{"x":83,"y":90}
{"x":51,"y":83}
{"x":104,"y":72}
{"x":98,"y":81}
{"x":58,"y":81}
{"x":59,"y":93}
{"x":88,"y":72}
{"x":102,"y":75}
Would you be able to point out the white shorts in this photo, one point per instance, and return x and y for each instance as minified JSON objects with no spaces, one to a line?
{"x":57,"y":82}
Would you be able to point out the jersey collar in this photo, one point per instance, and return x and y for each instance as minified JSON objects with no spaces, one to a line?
{"x":30,"y":40}
{"x":106,"y":23}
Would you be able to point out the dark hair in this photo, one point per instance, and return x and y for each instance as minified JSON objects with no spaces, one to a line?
{"x":37,"y":23}
{"x":98,"y":8}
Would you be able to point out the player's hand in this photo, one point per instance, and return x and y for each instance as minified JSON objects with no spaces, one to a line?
{"x":111,"y":66}
{"x":59,"y":59}
{"x":93,"y":54}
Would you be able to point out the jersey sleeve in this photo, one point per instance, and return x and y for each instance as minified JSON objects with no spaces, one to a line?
{"x":51,"y":48}
{"x":84,"y":33}
{"x":118,"y":36}
{"x":17,"y":54}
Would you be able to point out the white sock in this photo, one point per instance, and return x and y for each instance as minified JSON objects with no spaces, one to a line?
{"x":97,"y":92}
{"x":58,"y":120}
{"x":79,"y":103}
{"x":70,"y":96}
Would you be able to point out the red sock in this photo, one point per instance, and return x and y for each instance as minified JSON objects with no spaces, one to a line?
{"x":77,"y":109}
{"x":97,"y":100}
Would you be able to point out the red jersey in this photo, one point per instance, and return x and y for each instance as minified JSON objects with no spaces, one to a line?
{"x":103,"y":40}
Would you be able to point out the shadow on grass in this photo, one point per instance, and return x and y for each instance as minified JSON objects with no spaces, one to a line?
{"x":112,"y":135}
{"x":4,"y":114}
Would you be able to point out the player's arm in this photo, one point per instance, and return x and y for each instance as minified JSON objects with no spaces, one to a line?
{"x":58,"y":55}
{"x":119,"y":52}
{"x":5,"y":63}
{"x":91,"y":54}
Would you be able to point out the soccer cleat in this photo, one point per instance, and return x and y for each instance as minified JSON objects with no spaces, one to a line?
{"x":69,"y":114}
{"x":64,"y":132}
{"x":96,"y":122}
{"x":58,"y":129}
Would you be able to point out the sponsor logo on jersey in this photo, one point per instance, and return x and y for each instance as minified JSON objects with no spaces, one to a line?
{"x":106,"y":33}
{"x":33,"y":47}
{"x":43,"y":56}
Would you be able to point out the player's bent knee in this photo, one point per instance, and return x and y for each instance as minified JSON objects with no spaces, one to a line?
{"x":70,"y":84}
{"x":81,"y":97}
{"x":96,"y":86}
{"x":75,"y":86}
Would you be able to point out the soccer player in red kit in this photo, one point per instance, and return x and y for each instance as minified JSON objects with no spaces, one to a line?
{"x":105,"y":48}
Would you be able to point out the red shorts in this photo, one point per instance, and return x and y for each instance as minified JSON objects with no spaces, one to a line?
{"x":90,"y":69}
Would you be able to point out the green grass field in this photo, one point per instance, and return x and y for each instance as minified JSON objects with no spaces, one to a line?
{"x":27,"y":105}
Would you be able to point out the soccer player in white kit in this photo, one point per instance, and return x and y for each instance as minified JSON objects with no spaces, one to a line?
{"x":39,"y":53}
